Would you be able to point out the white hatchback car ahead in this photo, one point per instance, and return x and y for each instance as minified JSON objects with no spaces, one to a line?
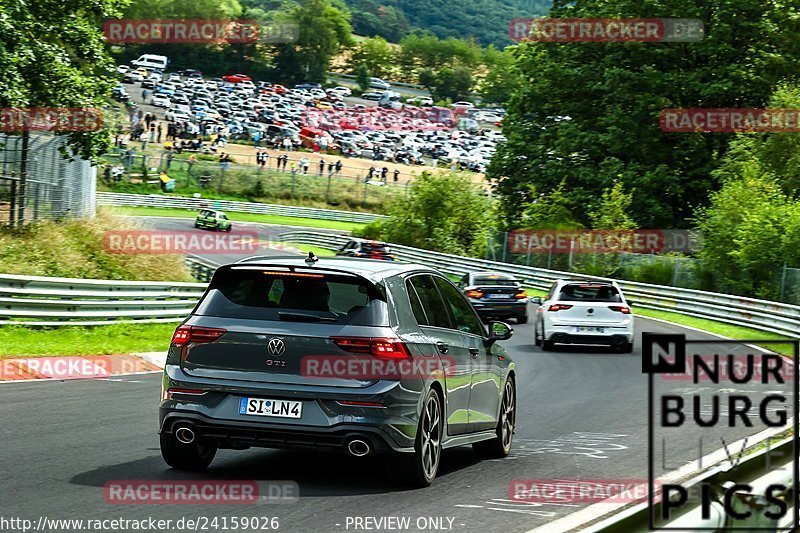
{"x":584,"y":312}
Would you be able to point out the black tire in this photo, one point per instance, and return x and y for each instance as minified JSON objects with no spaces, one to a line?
{"x":500,"y":446}
{"x":186,"y":456}
{"x":537,"y":341}
{"x":626,"y":348}
{"x":548,"y":346}
{"x":419,"y":469}
{"x":523,"y":319}
{"x":197,"y":225}
{"x":228,"y":229}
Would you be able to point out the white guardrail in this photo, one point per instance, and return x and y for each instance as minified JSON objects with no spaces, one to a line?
{"x":184,"y":202}
{"x":55,"y":301}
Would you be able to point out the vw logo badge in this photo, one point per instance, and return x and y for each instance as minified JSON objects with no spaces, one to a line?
{"x":276,"y":347}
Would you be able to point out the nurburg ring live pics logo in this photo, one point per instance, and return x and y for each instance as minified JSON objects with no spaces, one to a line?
{"x":712,"y":404}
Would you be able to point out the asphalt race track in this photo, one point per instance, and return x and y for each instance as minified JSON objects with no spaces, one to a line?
{"x":582,"y":415}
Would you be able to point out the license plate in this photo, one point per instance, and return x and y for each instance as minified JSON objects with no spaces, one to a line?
{"x":493,"y":296}
{"x":585,"y":329}
{"x":264,"y":407}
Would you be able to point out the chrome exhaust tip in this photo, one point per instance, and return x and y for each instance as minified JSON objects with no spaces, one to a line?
{"x":358,"y":448}
{"x":184,"y":435}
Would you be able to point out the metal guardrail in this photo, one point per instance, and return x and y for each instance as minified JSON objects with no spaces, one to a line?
{"x":45,"y":301}
{"x":53,"y":301}
{"x":392,"y":83}
{"x":183,"y":202}
{"x":772,"y":317}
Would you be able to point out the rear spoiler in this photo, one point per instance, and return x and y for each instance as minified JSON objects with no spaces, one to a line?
{"x":251,"y":263}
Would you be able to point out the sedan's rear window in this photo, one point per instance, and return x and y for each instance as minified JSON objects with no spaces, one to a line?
{"x":374,"y":247}
{"x":279,"y":294}
{"x":589,"y":293}
{"x":498,"y":280}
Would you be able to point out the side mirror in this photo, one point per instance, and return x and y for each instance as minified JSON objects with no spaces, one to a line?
{"x":537,"y":300}
{"x":499,"y":331}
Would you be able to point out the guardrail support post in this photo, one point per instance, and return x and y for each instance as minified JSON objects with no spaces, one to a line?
{"x":783,"y":282}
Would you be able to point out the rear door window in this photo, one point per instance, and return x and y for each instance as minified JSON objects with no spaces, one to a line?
{"x":432,"y":302}
{"x":265,"y":294}
{"x":465,"y":317}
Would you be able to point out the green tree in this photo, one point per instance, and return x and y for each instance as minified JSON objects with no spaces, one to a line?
{"x":588,"y":113}
{"x":502,"y":76}
{"x":778,"y":152}
{"x":551,"y":210}
{"x":613,"y":210}
{"x":445,"y":212}
{"x":362,"y":77}
{"x":55,"y":56}
{"x":453,"y":83}
{"x":748,"y":231}
{"x":324,"y":30}
{"x":375,"y":53}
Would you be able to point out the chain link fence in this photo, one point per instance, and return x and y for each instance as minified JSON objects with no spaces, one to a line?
{"x":37,"y":182}
{"x":128,"y":171}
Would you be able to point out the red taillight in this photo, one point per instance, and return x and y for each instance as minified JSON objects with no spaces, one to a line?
{"x":559,"y":307}
{"x":621,"y":309}
{"x":382,"y":348}
{"x":169,"y":393}
{"x":474,"y":294}
{"x":520,"y":295}
{"x":360,"y":404}
{"x":197,"y":335}
{"x":181,"y":335}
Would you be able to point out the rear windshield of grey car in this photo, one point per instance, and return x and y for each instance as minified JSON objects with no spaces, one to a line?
{"x":278,"y":294}
{"x":589,"y":293}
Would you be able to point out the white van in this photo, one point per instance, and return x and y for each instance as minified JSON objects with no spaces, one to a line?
{"x":151,"y":61}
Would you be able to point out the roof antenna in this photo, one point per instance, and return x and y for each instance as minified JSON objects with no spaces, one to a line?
{"x":311,"y":259}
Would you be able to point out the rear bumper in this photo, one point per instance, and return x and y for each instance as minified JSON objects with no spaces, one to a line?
{"x":240,"y":435}
{"x":511,"y":309}
{"x":616,"y":339}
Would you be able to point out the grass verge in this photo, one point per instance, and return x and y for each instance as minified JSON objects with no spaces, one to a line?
{"x":19,"y":341}
{"x":242,"y":217}
{"x":78,"y":249}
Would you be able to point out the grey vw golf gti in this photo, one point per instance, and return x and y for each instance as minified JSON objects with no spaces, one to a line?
{"x":357,"y":355}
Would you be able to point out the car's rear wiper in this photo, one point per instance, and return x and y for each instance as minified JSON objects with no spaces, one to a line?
{"x":303,"y":317}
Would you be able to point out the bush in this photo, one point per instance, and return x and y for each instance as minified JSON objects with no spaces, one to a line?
{"x":372,"y":231}
{"x":445,"y":212}
{"x":76,"y":249}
